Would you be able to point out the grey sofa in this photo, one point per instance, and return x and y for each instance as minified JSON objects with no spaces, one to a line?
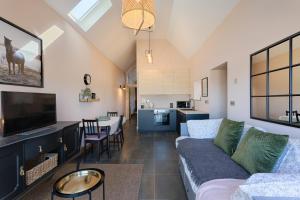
{"x":201,"y":161}
{"x":205,"y":161}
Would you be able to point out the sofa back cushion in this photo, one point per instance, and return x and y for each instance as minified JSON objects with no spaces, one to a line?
{"x":290,"y":163}
{"x":259,"y":151}
{"x":229,"y":135}
{"x":203,"y":129}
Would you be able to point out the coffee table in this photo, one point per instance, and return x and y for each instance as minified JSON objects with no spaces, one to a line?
{"x":78,"y":183}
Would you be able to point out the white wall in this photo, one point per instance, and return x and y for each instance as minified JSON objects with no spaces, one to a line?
{"x":163,"y":101}
{"x":65,"y":63}
{"x":252,"y":25}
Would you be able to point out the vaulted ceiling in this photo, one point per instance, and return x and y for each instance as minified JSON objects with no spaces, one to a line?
{"x":184,"y":23}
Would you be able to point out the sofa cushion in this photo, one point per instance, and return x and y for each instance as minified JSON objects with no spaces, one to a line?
{"x":271,"y":185}
{"x":291,"y":161}
{"x":229,"y":135}
{"x":259,"y":151}
{"x":203,"y":128}
{"x":206,"y":161}
{"x":247,"y":127}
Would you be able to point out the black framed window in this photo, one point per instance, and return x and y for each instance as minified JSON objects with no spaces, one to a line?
{"x":275,"y":82}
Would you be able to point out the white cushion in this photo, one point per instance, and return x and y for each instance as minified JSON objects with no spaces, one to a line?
{"x":202,"y":129}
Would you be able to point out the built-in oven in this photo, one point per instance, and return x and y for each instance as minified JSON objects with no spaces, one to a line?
{"x":183,"y":104}
{"x":161,"y":117}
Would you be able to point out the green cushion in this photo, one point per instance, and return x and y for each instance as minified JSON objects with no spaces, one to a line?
{"x":259,"y":151}
{"x":229,"y":135}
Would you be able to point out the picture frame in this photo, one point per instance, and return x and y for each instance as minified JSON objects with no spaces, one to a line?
{"x":204,"y":87}
{"x":21,"y":56}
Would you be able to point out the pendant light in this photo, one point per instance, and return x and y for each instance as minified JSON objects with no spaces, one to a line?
{"x":138,"y":14}
{"x":149,"y":55}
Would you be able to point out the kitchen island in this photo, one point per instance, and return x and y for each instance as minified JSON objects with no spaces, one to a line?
{"x":184,"y":115}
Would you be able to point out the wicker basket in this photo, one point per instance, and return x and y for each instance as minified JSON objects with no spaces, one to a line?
{"x":50,"y":162}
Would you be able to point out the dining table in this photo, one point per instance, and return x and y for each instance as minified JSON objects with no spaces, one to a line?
{"x":287,"y":118}
{"x":113,"y":122}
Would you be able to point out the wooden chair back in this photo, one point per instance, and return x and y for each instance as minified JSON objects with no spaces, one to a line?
{"x":294,"y":113}
{"x":112,"y":114}
{"x":90,"y":127}
{"x":120,"y":123}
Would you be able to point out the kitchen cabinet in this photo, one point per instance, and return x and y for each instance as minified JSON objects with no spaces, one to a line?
{"x":197,"y":90}
{"x":147,"y":121}
{"x":156,"y":81}
{"x":183,"y":116}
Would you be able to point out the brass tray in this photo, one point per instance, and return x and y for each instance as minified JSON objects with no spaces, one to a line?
{"x":79,"y":181}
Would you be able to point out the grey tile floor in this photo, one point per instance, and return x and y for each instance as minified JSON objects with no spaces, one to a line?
{"x":161,"y":179}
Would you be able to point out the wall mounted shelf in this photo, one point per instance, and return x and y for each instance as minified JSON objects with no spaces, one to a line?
{"x":89,"y":100}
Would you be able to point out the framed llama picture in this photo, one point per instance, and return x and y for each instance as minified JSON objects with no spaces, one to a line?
{"x":21,"y":56}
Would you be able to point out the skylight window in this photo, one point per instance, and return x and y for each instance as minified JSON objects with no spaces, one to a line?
{"x":87,"y":12}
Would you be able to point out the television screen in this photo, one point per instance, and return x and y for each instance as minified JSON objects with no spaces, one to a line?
{"x":26,"y":111}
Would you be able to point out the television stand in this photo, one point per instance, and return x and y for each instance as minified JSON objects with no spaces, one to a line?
{"x":47,"y":128}
{"x":21,"y":153}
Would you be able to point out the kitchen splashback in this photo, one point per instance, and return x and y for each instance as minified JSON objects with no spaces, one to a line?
{"x":163,"y":101}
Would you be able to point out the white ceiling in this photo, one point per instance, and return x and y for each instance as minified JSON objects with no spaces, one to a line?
{"x":184,"y":23}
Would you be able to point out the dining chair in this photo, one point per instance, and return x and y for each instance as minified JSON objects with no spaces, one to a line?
{"x":120,"y":132}
{"x":112,"y":114}
{"x":297,"y":116}
{"x":94,"y":134}
{"x":118,"y":136}
{"x":294,"y":113}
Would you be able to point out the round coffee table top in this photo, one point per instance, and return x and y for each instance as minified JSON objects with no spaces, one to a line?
{"x":79,"y":182}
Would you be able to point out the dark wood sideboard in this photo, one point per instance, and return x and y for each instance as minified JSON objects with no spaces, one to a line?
{"x":19,"y":153}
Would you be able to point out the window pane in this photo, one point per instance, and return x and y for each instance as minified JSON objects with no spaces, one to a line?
{"x":279,"y":56}
{"x":82,"y":8}
{"x":296,"y":110}
{"x":278,"y":108}
{"x":259,"y":63}
{"x":279,"y":82}
{"x":296,"y":50}
{"x":259,"y":85}
{"x":259,"y":107}
{"x":296,"y":80}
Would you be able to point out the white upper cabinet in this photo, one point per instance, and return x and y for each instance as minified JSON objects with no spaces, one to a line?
{"x":168,"y":74}
{"x":164,"y":81}
{"x":197,"y":90}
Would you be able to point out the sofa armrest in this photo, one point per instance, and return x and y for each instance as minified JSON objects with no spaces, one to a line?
{"x":202,"y":129}
{"x":180,"y":138}
{"x":184,"y":129}
{"x":269,"y":185}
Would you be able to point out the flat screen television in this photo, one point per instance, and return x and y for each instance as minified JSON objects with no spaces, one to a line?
{"x":23,"y":112}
